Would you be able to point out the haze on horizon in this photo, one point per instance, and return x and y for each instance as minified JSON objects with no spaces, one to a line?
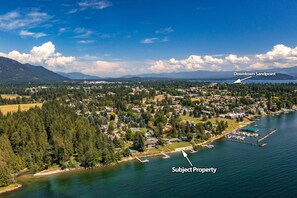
{"x":118,"y":37}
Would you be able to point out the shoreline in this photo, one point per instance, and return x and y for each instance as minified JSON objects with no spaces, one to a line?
{"x":12,"y":188}
{"x":130,"y":158}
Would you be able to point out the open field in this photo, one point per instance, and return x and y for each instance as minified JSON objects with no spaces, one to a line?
{"x":12,"y":96}
{"x":14,"y":108}
{"x":9,"y":96}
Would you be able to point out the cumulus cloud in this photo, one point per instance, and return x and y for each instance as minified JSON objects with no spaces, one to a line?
{"x":280,"y":56}
{"x":16,"y":20}
{"x":234,"y":59}
{"x":193,"y":62}
{"x":45,"y":55}
{"x":26,"y":33}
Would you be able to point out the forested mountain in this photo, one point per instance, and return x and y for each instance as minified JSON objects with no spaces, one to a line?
{"x":13,"y":71}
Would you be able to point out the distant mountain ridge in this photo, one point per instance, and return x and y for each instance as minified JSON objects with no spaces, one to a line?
{"x":78,"y":76}
{"x":282,"y":74}
{"x":13,"y":71}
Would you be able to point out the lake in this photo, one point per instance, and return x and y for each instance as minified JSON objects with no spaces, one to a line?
{"x":242,"y":171}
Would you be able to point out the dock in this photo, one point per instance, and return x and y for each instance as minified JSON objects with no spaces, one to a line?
{"x":142,"y":161}
{"x":266,"y":136}
{"x":243,"y":142}
{"x":193,"y":151}
{"x":208,"y":146}
{"x":165,"y":156}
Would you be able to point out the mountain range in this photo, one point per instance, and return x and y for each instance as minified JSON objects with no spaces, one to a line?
{"x":78,"y":76}
{"x":12,"y":71}
{"x":282,"y":74}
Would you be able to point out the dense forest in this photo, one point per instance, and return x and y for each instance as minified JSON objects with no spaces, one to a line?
{"x":39,"y":138}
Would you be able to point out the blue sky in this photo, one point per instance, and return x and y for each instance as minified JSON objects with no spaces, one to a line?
{"x":118,"y":37}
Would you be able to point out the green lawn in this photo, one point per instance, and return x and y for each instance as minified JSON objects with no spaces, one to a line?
{"x":166,"y":148}
{"x":232,"y":124}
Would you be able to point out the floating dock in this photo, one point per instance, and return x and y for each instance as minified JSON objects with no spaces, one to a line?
{"x":266,"y":136}
{"x":142,"y":161}
{"x":165,"y":156}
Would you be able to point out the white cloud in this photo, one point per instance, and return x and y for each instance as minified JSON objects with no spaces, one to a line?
{"x":193,"y":62}
{"x":86,"y":41}
{"x":72,"y":11}
{"x":258,"y":66}
{"x":17,"y":20}
{"x":149,"y":40}
{"x":153,"y":40}
{"x":279,"y":56}
{"x":165,"y":30}
{"x":45,"y":55}
{"x":62,"y":30}
{"x":95,"y":4}
{"x":26,"y":33}
{"x":83,"y":32}
{"x":234,"y":59}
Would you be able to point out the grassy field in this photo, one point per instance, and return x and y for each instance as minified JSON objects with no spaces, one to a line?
{"x":14,"y":108}
{"x":9,"y":96}
{"x":166,"y":148}
{"x":12,"y":96}
{"x":232,"y":124}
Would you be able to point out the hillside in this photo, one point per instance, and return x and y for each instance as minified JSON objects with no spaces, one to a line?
{"x":13,"y":71}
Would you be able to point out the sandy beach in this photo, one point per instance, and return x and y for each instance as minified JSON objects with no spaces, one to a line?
{"x":10,"y":188}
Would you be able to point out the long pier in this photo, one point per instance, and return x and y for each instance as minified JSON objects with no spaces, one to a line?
{"x":142,"y":161}
{"x":243,"y":142}
{"x":266,"y":136}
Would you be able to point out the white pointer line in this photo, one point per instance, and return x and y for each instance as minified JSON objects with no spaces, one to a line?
{"x":186,"y":156}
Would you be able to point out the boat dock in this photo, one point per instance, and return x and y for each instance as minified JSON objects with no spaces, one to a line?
{"x":266,"y":136}
{"x":243,"y":142}
{"x":165,"y":156}
{"x":142,"y":161}
{"x":193,"y":151}
{"x":208,"y":146}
